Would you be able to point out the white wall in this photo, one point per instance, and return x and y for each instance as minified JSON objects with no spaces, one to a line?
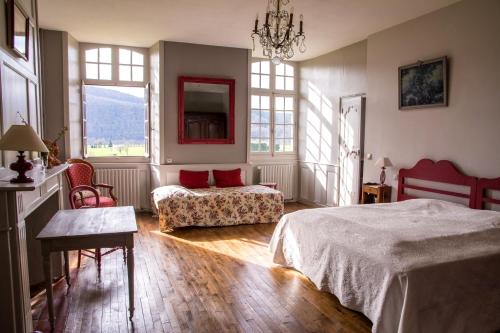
{"x":467,"y":131}
{"x":323,"y":81}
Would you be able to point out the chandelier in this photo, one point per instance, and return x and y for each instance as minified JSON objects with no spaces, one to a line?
{"x":276,"y":35}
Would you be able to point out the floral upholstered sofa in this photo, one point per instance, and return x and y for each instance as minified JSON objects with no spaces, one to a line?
{"x":178,"y":206}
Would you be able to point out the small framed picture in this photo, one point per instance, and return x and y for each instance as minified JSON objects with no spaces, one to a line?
{"x":423,"y":84}
{"x":18,"y":30}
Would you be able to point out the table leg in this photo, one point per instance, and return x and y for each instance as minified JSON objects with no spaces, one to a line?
{"x":130,"y":269}
{"x":66,"y":268}
{"x":47,"y":269}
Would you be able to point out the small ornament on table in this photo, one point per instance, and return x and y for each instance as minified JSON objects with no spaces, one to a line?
{"x":52,"y":158}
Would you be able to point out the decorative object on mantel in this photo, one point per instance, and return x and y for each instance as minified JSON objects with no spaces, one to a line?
{"x":18,"y":29}
{"x":424,"y":84}
{"x":52,"y":158}
{"x":277,"y":35}
{"x":22,"y":138}
{"x":383,"y":163}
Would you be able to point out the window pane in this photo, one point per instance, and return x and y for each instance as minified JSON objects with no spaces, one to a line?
{"x":91,"y":55}
{"x":115,"y":121}
{"x":105,"y":55}
{"x":288,"y":117}
{"x":289,"y":83}
{"x":104,"y":72}
{"x":264,"y":83}
{"x":137,"y":58}
{"x":255,"y":81}
{"x":280,"y":82}
{"x":137,"y":73}
{"x":264,"y":145}
{"x":255,"y":116}
{"x":280,"y":131}
{"x":264,"y":100}
{"x":288,"y":103}
{"x":124,"y":56}
{"x":256,"y":67}
{"x":280,"y":69}
{"x":254,"y":145}
{"x":279,"y":103}
{"x":255,"y":102}
{"x":279,"y":117}
{"x":125,"y":73}
{"x":255,"y":131}
{"x":264,"y":131}
{"x":288,"y":70}
{"x":278,"y":145}
{"x":264,"y":117}
{"x":288,"y":131}
{"x":264,"y":67}
{"x":91,"y":71}
{"x":288,"y":145}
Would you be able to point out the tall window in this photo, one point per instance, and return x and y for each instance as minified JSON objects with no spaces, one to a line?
{"x":273,"y":108}
{"x":115,"y":99}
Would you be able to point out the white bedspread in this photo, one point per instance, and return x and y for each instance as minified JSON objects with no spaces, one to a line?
{"x":420,"y":265}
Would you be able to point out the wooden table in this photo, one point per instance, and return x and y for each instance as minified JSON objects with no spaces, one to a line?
{"x":376,"y":193}
{"x":92,"y":228}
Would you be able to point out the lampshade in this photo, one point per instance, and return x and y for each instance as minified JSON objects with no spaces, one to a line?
{"x":383,"y":162}
{"x":22,"y":138}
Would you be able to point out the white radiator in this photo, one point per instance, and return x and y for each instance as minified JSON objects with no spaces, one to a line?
{"x":126,"y":185}
{"x":282,"y":174}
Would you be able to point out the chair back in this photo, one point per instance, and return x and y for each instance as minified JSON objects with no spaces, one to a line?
{"x":79,"y":172}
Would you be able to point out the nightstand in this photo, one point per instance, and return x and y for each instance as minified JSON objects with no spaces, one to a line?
{"x":376,"y":193}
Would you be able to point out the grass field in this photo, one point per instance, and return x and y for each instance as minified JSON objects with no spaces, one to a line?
{"x":115,"y":151}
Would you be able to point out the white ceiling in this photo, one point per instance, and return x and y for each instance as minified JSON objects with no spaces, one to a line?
{"x":328,"y":24}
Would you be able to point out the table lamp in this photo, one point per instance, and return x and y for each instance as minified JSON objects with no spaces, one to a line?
{"x":383,"y":162}
{"x":22,"y":138}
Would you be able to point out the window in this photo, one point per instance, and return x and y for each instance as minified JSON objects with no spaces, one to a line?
{"x":131,"y":66}
{"x":98,"y":63}
{"x":115,"y":99}
{"x":273,"y":108}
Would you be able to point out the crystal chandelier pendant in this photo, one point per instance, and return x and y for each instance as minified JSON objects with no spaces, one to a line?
{"x":277,"y":35}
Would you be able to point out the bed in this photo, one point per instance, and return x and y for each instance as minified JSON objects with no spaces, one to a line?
{"x":416,"y":265}
{"x":178,"y":206}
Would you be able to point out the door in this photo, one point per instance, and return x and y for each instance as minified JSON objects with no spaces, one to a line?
{"x":351,"y":138}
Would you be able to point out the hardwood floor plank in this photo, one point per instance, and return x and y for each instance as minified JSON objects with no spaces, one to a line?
{"x":218,"y":279}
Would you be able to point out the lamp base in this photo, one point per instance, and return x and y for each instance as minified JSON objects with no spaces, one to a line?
{"x":21,"y":166}
{"x":382,"y":177}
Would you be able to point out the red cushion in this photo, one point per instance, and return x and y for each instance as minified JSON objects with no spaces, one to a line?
{"x":193,"y":179}
{"x":90,"y":201}
{"x":228,"y":178}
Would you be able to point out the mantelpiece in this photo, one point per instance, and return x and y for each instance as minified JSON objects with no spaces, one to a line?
{"x":17,"y":202}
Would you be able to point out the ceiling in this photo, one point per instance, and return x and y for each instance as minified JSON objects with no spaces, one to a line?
{"x":328,"y":24}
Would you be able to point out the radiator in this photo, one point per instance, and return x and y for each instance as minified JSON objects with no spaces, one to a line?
{"x":126,"y":185}
{"x":283,"y":175}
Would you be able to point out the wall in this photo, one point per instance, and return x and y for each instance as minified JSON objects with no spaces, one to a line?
{"x":182,"y":59}
{"x":323,"y":81}
{"x":466,"y":131}
{"x":51,"y":44}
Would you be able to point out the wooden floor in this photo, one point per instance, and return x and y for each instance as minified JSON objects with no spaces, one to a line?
{"x":196,"y":280}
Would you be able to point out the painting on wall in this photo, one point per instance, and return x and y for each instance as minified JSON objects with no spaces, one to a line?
{"x":18,"y":30}
{"x":423,"y":84}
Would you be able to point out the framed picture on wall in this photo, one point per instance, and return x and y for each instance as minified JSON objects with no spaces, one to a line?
{"x":18,"y":29}
{"x":423,"y":84}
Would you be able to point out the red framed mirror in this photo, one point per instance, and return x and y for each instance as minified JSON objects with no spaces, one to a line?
{"x":206,"y":110}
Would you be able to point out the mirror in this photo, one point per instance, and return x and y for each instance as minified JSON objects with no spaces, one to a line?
{"x":206,"y":110}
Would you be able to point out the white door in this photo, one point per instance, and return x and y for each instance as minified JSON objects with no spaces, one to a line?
{"x":351,"y":138}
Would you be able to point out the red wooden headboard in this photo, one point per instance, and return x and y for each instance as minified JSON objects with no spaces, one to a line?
{"x":484,"y":184}
{"x":442,"y":172}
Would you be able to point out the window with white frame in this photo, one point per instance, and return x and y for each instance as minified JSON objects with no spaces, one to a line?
{"x":273,"y":108}
{"x":115,"y":100}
